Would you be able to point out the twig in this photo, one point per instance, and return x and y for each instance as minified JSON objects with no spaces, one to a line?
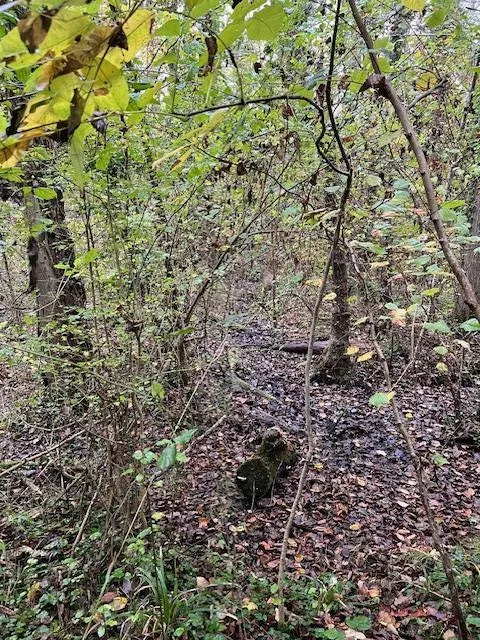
{"x":86,"y":516}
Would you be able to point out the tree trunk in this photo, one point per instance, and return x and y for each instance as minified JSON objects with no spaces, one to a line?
{"x":471,"y":262}
{"x":58,"y":295}
{"x":336,"y":364}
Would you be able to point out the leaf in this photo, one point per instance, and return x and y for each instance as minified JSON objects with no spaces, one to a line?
{"x":437,"y":327}
{"x":360,"y":623}
{"x":436,"y":18}
{"x":266,"y":24}
{"x":77,"y":145}
{"x":366,"y":356}
{"x":439,"y":460}
{"x":168,"y":457}
{"x":470,"y":325}
{"x":33,"y":30}
{"x":414,"y":5}
{"x":118,"y":603}
{"x":87,"y":258}
{"x":381,"y":398}
{"x":45,"y":193}
{"x":185,"y":436}
{"x":441,"y":350}
{"x":138,"y":29}
{"x":248,"y":604}
{"x":352,"y":350}
{"x":157,"y":390}
{"x":169,"y":28}
{"x":202,"y":7}
{"x":202,"y":582}
{"x":442,"y":367}
{"x":431,"y":292}
{"x":473,"y":621}
{"x":330,"y":296}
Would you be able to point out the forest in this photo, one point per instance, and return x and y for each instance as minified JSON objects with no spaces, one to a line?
{"x":239,"y":319}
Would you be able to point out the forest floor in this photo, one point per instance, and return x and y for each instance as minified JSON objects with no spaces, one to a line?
{"x":360,"y":518}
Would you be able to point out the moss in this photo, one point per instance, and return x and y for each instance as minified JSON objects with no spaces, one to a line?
{"x":256,"y":475}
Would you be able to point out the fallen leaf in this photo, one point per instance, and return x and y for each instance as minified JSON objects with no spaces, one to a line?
{"x":202,"y":582}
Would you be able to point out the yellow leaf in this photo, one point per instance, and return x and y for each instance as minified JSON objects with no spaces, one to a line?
{"x":67,"y":25}
{"x":426,"y":81}
{"x":138,"y":29}
{"x":352,"y":350}
{"x":171,"y":153}
{"x":118,"y":603}
{"x":442,"y":367}
{"x":366,"y":356}
{"x":414,"y":5}
{"x":330,"y":296}
{"x":248,"y":604}
{"x":10,"y":155}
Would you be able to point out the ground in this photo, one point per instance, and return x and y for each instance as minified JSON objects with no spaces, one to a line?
{"x":360,"y":518}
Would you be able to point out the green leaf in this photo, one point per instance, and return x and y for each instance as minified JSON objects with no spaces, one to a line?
{"x":244,"y":7}
{"x":158,"y":390}
{"x":439,"y":460}
{"x":437,"y":327}
{"x":356,"y":80}
{"x":431,"y":292}
{"x":359,"y":623}
{"x":185,"y":436}
{"x":45,"y":193}
{"x":381,"y":398}
{"x":473,"y":621}
{"x":168,"y":457}
{"x":441,"y":350}
{"x":453,"y":204}
{"x":414,"y":5}
{"x":169,"y":28}
{"x":266,"y":24}
{"x":471,"y":325}
{"x":333,"y":634}
{"x":436,"y":18}
{"x":373,"y":181}
{"x":88,"y":257}
{"x":202,"y":7}
{"x":103,"y":159}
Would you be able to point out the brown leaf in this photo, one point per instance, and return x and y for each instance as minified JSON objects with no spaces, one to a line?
{"x":212,"y":48}
{"x":33,"y":29}
{"x":119,"y":39}
{"x":109,"y":597}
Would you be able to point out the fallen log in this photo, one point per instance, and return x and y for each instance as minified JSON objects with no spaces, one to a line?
{"x":274,"y":457}
{"x":319,"y":346}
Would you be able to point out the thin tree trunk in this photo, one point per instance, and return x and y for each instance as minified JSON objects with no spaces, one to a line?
{"x":57,"y":295}
{"x":471,"y":262}
{"x":336,"y":364}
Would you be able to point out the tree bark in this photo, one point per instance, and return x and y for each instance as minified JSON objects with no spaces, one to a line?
{"x":336,"y":363}
{"x":471,"y":262}
{"x":57,"y":294}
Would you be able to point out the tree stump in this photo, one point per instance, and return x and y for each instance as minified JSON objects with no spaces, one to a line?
{"x":274,"y":457}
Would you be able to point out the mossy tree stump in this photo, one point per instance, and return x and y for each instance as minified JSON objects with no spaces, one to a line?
{"x":275,"y":456}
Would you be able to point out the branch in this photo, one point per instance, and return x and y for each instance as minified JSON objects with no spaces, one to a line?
{"x":384,"y":87}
